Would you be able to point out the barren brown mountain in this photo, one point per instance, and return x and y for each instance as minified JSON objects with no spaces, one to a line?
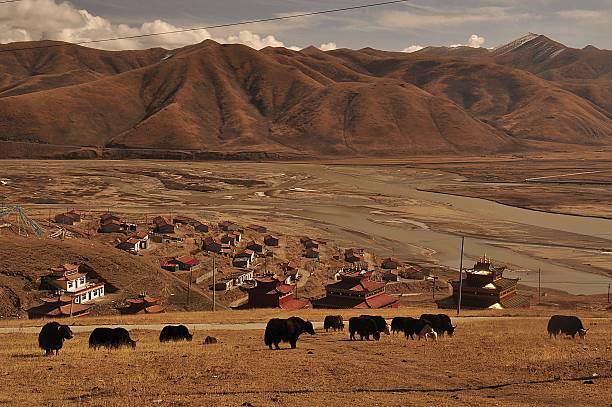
{"x":66,"y":100}
{"x":586,"y":72}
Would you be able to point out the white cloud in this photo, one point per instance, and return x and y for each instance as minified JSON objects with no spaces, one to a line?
{"x":408,"y":19}
{"x":328,"y":46}
{"x":252,"y":40}
{"x":413,"y":48}
{"x":581,"y":14}
{"x":475,"y":41}
{"x":32,"y":20}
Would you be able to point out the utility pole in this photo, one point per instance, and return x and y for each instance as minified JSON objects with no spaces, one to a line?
{"x":609,"y":292}
{"x":189,"y":289}
{"x":214,"y":284}
{"x":433,"y":285}
{"x":460,"y":277}
{"x":539,"y":285}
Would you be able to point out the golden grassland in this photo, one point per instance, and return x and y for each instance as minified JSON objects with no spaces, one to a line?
{"x":262,"y":315}
{"x":488,"y":362}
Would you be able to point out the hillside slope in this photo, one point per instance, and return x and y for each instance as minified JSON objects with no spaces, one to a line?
{"x":23,"y":261}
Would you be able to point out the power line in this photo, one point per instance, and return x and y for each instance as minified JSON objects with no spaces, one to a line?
{"x":209,"y":27}
{"x":567,"y":282}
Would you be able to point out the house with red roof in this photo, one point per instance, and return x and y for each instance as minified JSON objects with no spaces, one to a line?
{"x":237,"y":235}
{"x":354,"y":255}
{"x":356,"y":290}
{"x":131,"y":245}
{"x":162,"y":225}
{"x":142,"y":305}
{"x":212,"y":244}
{"x":185,"y":263}
{"x":291,"y":269}
{"x":200,"y":227}
{"x":311,"y":244}
{"x":110,"y":226}
{"x":67,"y":218}
{"x":258,"y":228}
{"x":58,"y":307}
{"x":312,"y":253}
{"x":270,"y":292}
{"x":256,"y":246}
{"x":70,"y":282}
{"x":390,"y":263}
{"x":228,"y":239}
{"x":271,"y":241}
{"x":145,"y":241}
{"x":228,"y":226}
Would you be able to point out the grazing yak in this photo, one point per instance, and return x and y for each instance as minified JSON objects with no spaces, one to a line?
{"x":412,"y":326}
{"x":175,"y":333}
{"x":334,"y":322}
{"x":398,"y":324}
{"x":364,"y":326}
{"x":564,"y":324}
{"x":210,"y":340}
{"x":286,"y":330}
{"x":110,"y":338}
{"x":440,"y":323}
{"x":51,"y":337}
{"x":381,"y":323}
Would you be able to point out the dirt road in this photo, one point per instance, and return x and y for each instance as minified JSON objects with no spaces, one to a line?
{"x":245,"y":326}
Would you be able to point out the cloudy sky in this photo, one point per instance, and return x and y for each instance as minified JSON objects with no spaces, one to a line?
{"x":397,"y":27}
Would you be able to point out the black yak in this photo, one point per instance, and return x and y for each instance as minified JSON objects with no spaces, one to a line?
{"x":51,"y":337}
{"x":568,"y":325}
{"x":334,"y":322}
{"x":440,"y":323}
{"x":175,"y":333}
{"x":210,"y":340}
{"x":419,"y":327}
{"x":110,"y":338}
{"x":398,"y":324}
{"x":364,"y":326}
{"x":286,"y":330}
{"x":381,"y":323}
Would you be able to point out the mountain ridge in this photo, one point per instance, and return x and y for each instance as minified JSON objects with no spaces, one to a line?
{"x":232,"y":99}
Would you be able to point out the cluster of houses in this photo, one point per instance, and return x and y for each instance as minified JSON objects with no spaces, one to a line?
{"x":73,"y":293}
{"x":356,"y":287}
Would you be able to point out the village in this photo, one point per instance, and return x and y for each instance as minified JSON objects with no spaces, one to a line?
{"x":240,"y":265}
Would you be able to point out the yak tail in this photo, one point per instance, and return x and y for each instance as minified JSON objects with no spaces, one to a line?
{"x":268,"y":337}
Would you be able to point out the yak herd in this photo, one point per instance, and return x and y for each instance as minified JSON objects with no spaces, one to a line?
{"x":52,"y":336}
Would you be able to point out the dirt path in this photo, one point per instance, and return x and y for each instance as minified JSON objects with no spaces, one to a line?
{"x":242,"y":326}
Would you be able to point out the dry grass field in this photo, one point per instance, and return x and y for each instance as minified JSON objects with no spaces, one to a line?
{"x":488,"y":362}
